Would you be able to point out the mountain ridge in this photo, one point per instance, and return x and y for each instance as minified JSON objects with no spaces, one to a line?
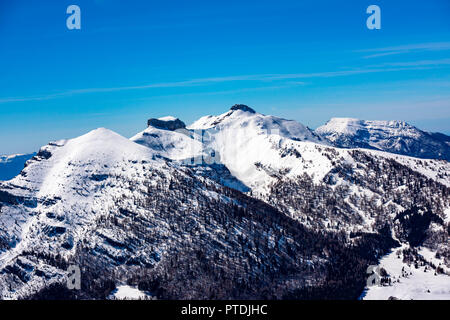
{"x":262,"y":205}
{"x":392,"y":136}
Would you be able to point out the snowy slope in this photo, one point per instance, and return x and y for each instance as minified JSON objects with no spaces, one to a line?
{"x":118,"y":210}
{"x":125,"y":292}
{"x":124,"y":203}
{"x":60,"y":162}
{"x":269,"y":154}
{"x":176,"y":144}
{"x":409,"y":282}
{"x":437,"y":170}
{"x":58,"y":195}
{"x":186,"y":147}
{"x":111,"y":206}
{"x":261,"y":151}
{"x":257,"y":148}
{"x":391,"y":136}
{"x":241,"y":117}
{"x":11,"y":165}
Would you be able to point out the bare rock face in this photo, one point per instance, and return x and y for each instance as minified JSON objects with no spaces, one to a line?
{"x":170,"y":125}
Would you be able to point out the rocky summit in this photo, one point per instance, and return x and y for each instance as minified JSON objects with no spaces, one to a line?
{"x":169,"y":123}
{"x":242,"y":107}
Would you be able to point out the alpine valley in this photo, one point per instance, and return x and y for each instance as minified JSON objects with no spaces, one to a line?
{"x":236,"y":206}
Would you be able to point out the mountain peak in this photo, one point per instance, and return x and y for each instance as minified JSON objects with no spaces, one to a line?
{"x":242,"y":107}
{"x":351,"y":126}
{"x":166,"y":123}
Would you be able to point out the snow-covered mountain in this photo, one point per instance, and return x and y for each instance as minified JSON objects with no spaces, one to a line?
{"x":10,"y":166}
{"x":392,"y":136}
{"x":257,"y":148}
{"x":121,"y":212}
{"x":239,"y":205}
{"x":295,"y":171}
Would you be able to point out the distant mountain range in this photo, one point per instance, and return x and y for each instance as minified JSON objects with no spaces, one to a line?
{"x":234,"y":206}
{"x":391,"y":136}
{"x":10,"y":166}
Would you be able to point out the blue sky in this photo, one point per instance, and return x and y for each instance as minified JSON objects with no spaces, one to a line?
{"x":303,"y":60}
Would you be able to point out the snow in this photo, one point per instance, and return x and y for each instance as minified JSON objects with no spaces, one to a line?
{"x":257,"y":150}
{"x":341,"y":125}
{"x":419,"y":285}
{"x":392,"y":136}
{"x":240,"y":139}
{"x":204,"y":122}
{"x":124,"y":292}
{"x":180,"y":144}
{"x":430,"y":168}
{"x":253,"y":147}
{"x":100,"y":149}
{"x":447,"y":215}
{"x":239,"y":119}
{"x":243,"y":138}
{"x":67,"y":175}
{"x":351,"y":126}
{"x":167,"y":118}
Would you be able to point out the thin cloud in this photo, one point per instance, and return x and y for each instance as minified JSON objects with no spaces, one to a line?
{"x":225,"y":92}
{"x":340,"y":73}
{"x":383,"y":54}
{"x":387,"y":51}
{"x":194,"y":82}
{"x":209,"y":81}
{"x":439,"y":62}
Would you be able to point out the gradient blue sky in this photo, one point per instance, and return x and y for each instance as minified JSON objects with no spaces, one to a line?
{"x":303,"y":60}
